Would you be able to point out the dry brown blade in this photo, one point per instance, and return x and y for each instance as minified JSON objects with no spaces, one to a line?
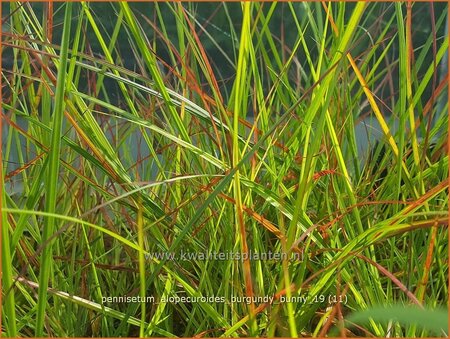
{"x":197,"y":229}
{"x":318,"y":175}
{"x":24,"y":167}
{"x":339,"y":217}
{"x":276,"y":297}
{"x":421,"y":286}
{"x":202,"y":334}
{"x":23,"y":132}
{"x":28,"y":252}
{"x":264,"y":222}
{"x":340,"y":315}
{"x":246,"y":262}
{"x":439,"y":187}
{"x":328,"y":322}
{"x":82,"y":135}
{"x":257,"y":217}
{"x":430,"y":103}
{"x":294,"y":246}
{"x":205,"y":58}
{"x":49,"y":23}
{"x":393,"y":278}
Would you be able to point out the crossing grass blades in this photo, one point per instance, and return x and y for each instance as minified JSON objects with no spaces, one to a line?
{"x":134,"y":132}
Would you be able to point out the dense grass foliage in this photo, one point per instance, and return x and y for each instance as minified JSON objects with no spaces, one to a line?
{"x":254,"y":169}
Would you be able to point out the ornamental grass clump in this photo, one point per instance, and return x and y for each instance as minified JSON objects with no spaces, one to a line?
{"x":254,"y":169}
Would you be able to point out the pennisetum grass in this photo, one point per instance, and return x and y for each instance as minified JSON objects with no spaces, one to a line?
{"x":51,"y":185}
{"x":143,"y":141}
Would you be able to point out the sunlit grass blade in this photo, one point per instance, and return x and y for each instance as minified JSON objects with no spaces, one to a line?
{"x":53,"y":173}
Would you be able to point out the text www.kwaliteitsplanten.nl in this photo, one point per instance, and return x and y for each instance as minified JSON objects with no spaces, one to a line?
{"x":224,"y":256}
